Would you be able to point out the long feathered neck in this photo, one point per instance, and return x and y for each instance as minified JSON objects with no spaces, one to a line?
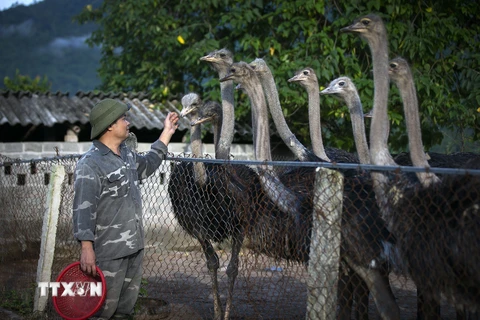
{"x":228,"y":114}
{"x":271,"y":93}
{"x":196,"y":146}
{"x":358,"y":126}
{"x":261,"y":132}
{"x":380,"y":126}
{"x":283,"y":197}
{"x":408,"y":93}
{"x":314,"y":119}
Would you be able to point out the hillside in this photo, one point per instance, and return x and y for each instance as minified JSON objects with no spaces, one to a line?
{"x":42,"y":40}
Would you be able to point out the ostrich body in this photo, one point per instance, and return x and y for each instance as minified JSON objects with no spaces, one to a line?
{"x":363,"y":253}
{"x":192,"y":189}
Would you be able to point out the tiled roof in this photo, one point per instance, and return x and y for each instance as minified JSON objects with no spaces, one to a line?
{"x":33,"y":108}
{"x":29,"y":108}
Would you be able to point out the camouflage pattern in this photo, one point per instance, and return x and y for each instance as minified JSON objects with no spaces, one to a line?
{"x":123,"y":277}
{"x":107,"y":206}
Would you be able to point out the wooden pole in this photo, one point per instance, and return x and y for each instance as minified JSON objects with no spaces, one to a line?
{"x":49,"y":234}
{"x":324,"y":256}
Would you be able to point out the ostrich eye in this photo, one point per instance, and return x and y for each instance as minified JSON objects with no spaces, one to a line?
{"x":365,"y":22}
{"x":253,"y":67}
{"x":233,"y":70}
{"x":393,"y":65}
{"x":305,"y":73}
{"x":341,"y":83}
{"x":222,"y":55}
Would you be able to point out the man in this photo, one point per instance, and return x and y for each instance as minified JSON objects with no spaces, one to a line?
{"x":107,"y":207}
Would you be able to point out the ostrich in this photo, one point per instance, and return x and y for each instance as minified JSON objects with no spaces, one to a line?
{"x":192,"y":189}
{"x":308,"y":79}
{"x":460,"y":281}
{"x":360,"y":250}
{"x":422,"y":216}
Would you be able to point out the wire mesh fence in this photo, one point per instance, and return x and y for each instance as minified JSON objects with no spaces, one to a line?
{"x":310,"y":242}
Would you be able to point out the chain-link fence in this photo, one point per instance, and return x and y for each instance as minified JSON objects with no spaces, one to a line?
{"x":311,"y":243}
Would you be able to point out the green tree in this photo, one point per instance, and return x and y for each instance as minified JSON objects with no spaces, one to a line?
{"x":25,"y":83}
{"x":155,"y":46}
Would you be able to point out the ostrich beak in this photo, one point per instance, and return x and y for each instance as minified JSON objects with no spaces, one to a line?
{"x":200,"y":120}
{"x":295,"y":78}
{"x":226,"y":78}
{"x":186,"y":111}
{"x":208,"y":58}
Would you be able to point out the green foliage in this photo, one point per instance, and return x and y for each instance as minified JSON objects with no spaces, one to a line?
{"x":25,"y":83}
{"x":155,"y":45}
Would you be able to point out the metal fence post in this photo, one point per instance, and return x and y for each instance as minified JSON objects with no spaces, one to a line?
{"x":49,"y":233}
{"x":324,"y":256}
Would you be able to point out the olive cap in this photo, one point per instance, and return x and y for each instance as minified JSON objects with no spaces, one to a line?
{"x":104,"y":114}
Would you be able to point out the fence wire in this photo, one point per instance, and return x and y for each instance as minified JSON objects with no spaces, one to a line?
{"x":304,"y":244}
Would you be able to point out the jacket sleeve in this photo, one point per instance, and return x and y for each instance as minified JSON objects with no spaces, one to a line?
{"x":148,"y":163}
{"x":87,"y":188}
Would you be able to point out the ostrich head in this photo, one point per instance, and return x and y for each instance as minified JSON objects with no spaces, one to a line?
{"x":369,"y":27}
{"x":219,"y":59}
{"x":398,"y":70}
{"x":211,"y":111}
{"x":260,"y":66}
{"x":341,"y":88}
{"x":241,"y":73}
{"x":191,"y":103}
{"x":305,"y":77}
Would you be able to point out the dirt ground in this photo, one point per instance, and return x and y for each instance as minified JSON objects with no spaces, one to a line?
{"x":178,"y":287}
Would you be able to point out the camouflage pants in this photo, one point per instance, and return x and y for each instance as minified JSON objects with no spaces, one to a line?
{"x":123,"y":277}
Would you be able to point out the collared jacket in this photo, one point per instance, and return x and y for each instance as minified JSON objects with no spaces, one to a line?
{"x":107,"y":206}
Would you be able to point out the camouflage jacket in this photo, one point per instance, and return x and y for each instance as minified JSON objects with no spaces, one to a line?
{"x":107,"y":206}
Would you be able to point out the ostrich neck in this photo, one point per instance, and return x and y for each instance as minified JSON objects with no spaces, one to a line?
{"x":222,"y":150}
{"x":271,"y":93}
{"x":196,"y":146}
{"x":217,"y":127}
{"x":358,"y":127}
{"x":380,"y":126}
{"x":412,"y":120}
{"x":315,"y":125}
{"x":261,"y":132}
{"x":283,"y":197}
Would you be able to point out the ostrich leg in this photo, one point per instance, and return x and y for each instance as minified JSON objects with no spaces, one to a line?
{"x":232,"y":270}
{"x":212,"y":265}
{"x":380,"y":289}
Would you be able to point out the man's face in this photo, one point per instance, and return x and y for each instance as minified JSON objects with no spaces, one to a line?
{"x":120,"y":128}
